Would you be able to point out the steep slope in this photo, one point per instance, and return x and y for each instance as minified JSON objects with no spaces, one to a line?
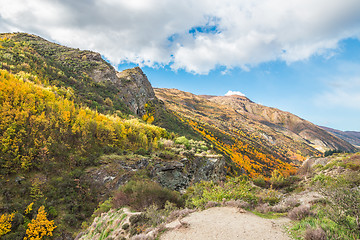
{"x":83,"y":75}
{"x":349,"y":136}
{"x":285,"y":122}
{"x":256,"y":138}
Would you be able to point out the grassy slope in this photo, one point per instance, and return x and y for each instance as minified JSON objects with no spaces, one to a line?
{"x":66,"y":68}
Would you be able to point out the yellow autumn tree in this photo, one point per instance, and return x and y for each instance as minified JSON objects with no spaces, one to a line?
{"x":5,"y":223}
{"x":149,"y":118}
{"x":29,"y":208}
{"x":40,"y":227}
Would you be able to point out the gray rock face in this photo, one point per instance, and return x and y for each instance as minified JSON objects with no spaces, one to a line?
{"x":135,"y":89}
{"x":175,"y":175}
{"x":179,"y":175}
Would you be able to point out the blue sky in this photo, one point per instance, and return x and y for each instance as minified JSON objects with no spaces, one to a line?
{"x":300,"y":56}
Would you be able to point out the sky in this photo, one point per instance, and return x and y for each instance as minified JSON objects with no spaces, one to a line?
{"x":301,"y":56}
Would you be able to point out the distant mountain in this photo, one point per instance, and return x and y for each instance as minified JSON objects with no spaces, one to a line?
{"x":258,"y":139}
{"x":349,"y":136}
{"x":284,"y":122}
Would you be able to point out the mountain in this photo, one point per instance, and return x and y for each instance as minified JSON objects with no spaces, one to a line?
{"x":349,"y":136}
{"x":84,"y":74}
{"x":256,"y":138}
{"x":285,"y":122}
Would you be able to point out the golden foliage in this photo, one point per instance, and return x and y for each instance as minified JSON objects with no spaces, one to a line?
{"x":148,"y":118}
{"x":35,"y":122}
{"x":5,"y":223}
{"x":251,"y":160}
{"x":40,"y":227}
{"x":29,"y":208}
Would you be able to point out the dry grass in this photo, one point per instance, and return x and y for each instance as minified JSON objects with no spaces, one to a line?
{"x":299,"y":213}
{"x":211,"y":204}
{"x":263,"y":208}
{"x":179,"y":214}
{"x":285,"y":205}
{"x":315,"y":234}
{"x":237,"y":204}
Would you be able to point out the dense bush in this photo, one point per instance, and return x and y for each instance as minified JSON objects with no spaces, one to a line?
{"x":142,"y":194}
{"x":235,"y":188}
{"x":260,"y":181}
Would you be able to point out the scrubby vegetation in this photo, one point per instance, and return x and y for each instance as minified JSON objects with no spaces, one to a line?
{"x":140,"y":195}
{"x":337,"y":215}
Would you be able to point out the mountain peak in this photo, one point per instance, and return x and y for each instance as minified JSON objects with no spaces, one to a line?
{"x":227,"y":99}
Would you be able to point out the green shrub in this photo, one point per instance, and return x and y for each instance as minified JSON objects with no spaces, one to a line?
{"x":261,"y":182}
{"x":235,"y":188}
{"x":142,"y":151}
{"x":322,"y":179}
{"x":165,"y":154}
{"x":269,"y":196}
{"x":182,"y":141}
{"x":103,"y":207}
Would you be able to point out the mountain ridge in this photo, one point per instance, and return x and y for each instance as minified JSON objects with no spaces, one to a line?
{"x":234,"y":128}
{"x":282,"y":119}
{"x":352,"y":137}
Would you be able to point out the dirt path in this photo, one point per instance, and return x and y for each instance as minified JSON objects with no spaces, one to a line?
{"x":227,"y":223}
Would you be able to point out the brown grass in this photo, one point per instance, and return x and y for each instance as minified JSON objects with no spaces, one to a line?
{"x":315,"y":234}
{"x":299,"y":213}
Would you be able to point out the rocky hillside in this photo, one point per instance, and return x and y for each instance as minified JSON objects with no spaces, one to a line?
{"x":83,"y":74}
{"x":320,"y":202}
{"x":258,"y":139}
{"x":349,"y":136}
{"x":284,"y":122}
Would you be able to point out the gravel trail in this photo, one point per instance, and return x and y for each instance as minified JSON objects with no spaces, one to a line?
{"x":226,"y":223}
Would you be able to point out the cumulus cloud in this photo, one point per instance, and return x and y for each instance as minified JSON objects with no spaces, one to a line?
{"x":195,"y":35}
{"x":229,"y":93}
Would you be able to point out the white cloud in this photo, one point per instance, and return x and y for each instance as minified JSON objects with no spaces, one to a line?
{"x":230,"y":93}
{"x":239,"y":33}
{"x":341,"y":93}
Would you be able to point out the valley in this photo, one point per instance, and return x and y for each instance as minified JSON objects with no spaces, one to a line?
{"x":79,"y":141}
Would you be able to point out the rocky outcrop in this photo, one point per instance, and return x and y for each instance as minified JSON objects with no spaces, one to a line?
{"x":135,"y":89}
{"x":175,"y":175}
{"x":179,"y":175}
